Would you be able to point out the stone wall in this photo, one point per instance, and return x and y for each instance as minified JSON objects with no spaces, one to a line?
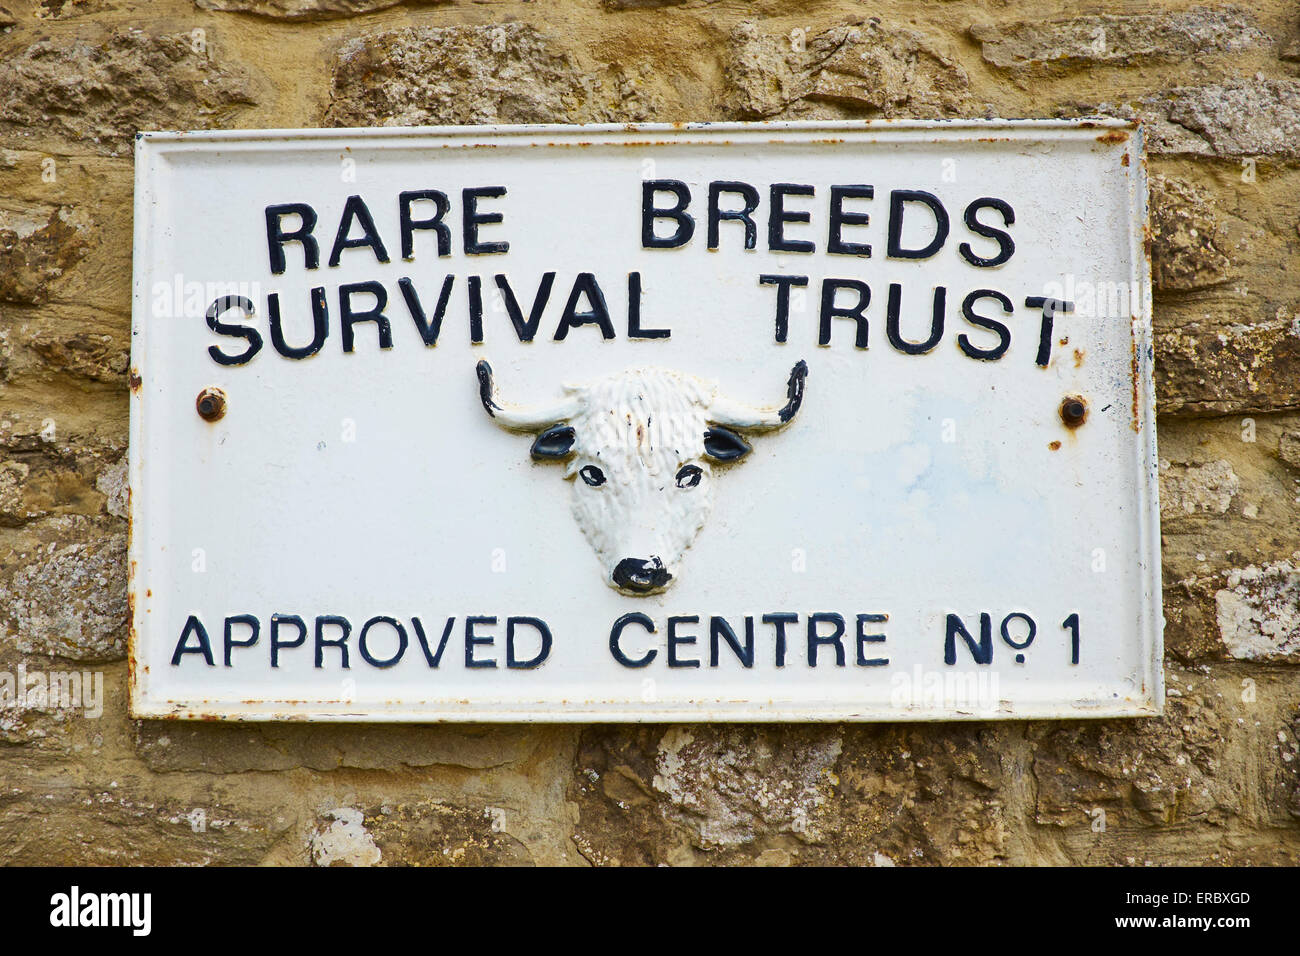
{"x":1216,"y":780}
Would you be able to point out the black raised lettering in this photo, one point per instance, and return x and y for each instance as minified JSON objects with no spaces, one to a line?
{"x":276,"y":237}
{"x":251,"y":335}
{"x":993,"y":325}
{"x":320,"y":325}
{"x":434,"y":222}
{"x":835,"y":243}
{"x":855,"y":312}
{"x":650,"y":213}
{"x":472,"y":219}
{"x":898,"y":202}
{"x":355,"y":209}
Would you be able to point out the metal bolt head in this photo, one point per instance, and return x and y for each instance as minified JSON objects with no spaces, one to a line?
{"x":211,"y":404}
{"x":1074,"y":411}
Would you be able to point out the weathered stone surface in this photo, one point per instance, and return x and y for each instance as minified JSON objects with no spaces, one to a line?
{"x":71,"y":9}
{"x":782,"y":795}
{"x":713,"y":788}
{"x":304,"y":9}
{"x":425,"y":833}
{"x":861,"y":66}
{"x":1165,"y":771}
{"x":507,"y":73}
{"x":1259,"y":612}
{"x":341,"y":839}
{"x":15,"y":508}
{"x":1289,"y":755}
{"x":36,"y":247}
{"x":724,"y":787}
{"x":68,"y":599}
{"x":1247,"y":118}
{"x":1187,"y":240}
{"x":641,"y":4}
{"x":1117,"y":40}
{"x":924,"y":795}
{"x":1187,"y":489}
{"x":45,"y":473}
{"x":98,"y":95}
{"x":112,"y":482}
{"x":62,"y":826}
{"x":95,"y":356}
{"x":1191,"y":625}
{"x":1211,"y":369}
{"x":171,"y":746}
{"x":1288,"y":448}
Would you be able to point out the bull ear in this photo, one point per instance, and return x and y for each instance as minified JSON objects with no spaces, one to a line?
{"x":723,"y":445}
{"x":555,"y":442}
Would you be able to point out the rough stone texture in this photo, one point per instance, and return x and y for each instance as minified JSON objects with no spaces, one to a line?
{"x":13,"y":505}
{"x":169,"y":746}
{"x":98,"y":95}
{"x":1288,"y":448}
{"x":343,"y":840}
{"x":427,"y":833}
{"x":1259,"y":612}
{"x":1196,"y":489}
{"x":724,"y":789}
{"x":1246,"y":118}
{"x":36,"y":247}
{"x":1208,"y":368}
{"x":1116,"y":40}
{"x":871,"y":796}
{"x":60,"y":826}
{"x":302,"y":9}
{"x":112,"y":482}
{"x":509,"y":73}
{"x":1216,"y":780}
{"x":641,"y":4}
{"x":1187,"y":241}
{"x":72,"y":9}
{"x":860,"y":66}
{"x":1145,"y":772}
{"x":1146,"y":792}
{"x":46,"y":472}
{"x":69,"y":599}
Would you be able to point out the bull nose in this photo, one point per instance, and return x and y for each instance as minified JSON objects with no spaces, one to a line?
{"x":638,"y":574}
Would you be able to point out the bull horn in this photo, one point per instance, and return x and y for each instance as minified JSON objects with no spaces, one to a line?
{"x":515,"y":417}
{"x":726,"y":412}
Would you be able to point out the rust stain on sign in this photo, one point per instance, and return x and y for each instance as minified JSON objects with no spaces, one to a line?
{"x":1134,"y":381}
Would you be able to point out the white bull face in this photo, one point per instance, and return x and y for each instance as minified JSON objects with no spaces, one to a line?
{"x":639,"y":448}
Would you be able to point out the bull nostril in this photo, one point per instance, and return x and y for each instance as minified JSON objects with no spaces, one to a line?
{"x":638,"y":574}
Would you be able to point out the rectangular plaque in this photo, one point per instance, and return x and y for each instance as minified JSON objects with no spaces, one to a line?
{"x":757,"y":422}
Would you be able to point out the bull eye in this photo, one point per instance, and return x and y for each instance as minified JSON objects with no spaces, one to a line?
{"x":689,"y":476}
{"x":592,"y":475}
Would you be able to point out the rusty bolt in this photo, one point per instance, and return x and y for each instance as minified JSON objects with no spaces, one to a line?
{"x":1074,"y":411}
{"x":211,"y":404}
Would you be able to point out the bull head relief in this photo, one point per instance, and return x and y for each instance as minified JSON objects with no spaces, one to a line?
{"x":640,"y":446}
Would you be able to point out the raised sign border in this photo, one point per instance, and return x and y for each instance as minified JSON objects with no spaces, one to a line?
{"x":153,"y":148}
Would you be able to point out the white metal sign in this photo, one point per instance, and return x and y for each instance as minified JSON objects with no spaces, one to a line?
{"x":724,"y":422}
